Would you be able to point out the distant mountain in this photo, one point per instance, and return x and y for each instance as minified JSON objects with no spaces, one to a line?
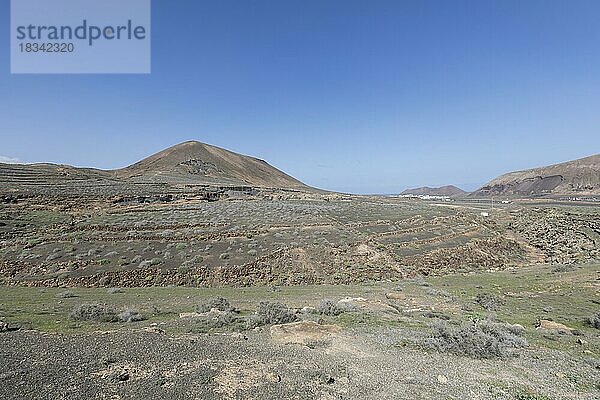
{"x":578,"y":177}
{"x":449,"y":191}
{"x":195,"y":162}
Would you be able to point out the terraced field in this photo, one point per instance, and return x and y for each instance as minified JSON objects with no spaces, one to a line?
{"x":271,"y":238}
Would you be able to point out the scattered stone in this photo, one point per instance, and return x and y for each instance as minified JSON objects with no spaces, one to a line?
{"x":153,"y":329}
{"x":66,"y":295}
{"x":442,"y":379}
{"x":123,"y":376}
{"x":594,"y":321}
{"x":554,"y":326}
{"x":395,"y":296}
{"x":8,"y":327}
{"x":366,"y":305}
{"x":189,"y":315}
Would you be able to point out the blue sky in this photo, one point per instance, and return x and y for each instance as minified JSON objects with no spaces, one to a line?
{"x":359,"y":96}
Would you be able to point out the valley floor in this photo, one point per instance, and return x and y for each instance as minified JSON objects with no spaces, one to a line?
{"x":379,"y":348}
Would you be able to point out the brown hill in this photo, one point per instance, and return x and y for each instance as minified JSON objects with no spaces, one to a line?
{"x":448,"y":190}
{"x":578,"y":177}
{"x":189,"y":163}
{"x":198,"y":163}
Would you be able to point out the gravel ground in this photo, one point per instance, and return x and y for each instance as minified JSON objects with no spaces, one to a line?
{"x":357,"y":364}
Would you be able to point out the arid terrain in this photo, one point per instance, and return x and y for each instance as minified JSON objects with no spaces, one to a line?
{"x":200,"y":274}
{"x":572,"y":178}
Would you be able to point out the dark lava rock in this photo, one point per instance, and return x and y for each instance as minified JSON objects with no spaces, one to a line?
{"x":8,"y":327}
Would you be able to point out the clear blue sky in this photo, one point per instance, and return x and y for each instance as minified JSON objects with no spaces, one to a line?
{"x":360,"y":96}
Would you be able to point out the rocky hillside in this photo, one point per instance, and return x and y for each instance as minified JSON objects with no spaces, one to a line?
{"x":578,"y":177}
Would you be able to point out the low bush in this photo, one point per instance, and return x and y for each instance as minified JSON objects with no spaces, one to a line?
{"x":328,"y":307}
{"x":131,"y":316}
{"x":217,"y":319}
{"x":331,"y":308}
{"x":272,"y":313}
{"x":489,"y":301}
{"x":218,"y":303}
{"x":482,"y":339}
{"x":436,"y":314}
{"x":94,"y":312}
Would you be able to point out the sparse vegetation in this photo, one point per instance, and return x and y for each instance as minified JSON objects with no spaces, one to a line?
{"x":217,"y":303}
{"x":328,"y":307}
{"x":332,"y":308}
{"x":291,"y":252}
{"x":131,"y":316}
{"x":481,"y":339}
{"x":272,"y":313}
{"x":489,"y":301}
{"x":94,"y":312}
{"x":529,"y":395}
{"x":216,"y":319}
{"x":67,"y":294}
